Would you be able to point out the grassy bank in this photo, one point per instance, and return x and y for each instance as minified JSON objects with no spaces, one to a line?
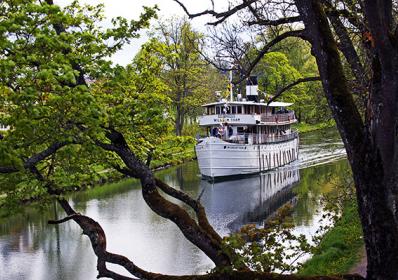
{"x":340,"y":248}
{"x":306,"y":127}
{"x":174,"y":151}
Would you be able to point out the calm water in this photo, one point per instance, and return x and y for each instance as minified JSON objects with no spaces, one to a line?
{"x":31,"y":249}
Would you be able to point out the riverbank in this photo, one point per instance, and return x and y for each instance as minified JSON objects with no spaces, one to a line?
{"x":341,"y":247}
{"x":306,"y":127}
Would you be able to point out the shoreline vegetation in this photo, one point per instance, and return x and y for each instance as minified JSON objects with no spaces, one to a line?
{"x":340,"y":248}
{"x":306,"y":127}
{"x":173,"y":152}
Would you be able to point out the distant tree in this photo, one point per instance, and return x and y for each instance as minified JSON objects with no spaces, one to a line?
{"x":191,"y":79}
{"x":275,"y":72}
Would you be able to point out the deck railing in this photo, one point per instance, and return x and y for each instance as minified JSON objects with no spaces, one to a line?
{"x":281,"y":138}
{"x":276,"y":118}
{"x":253,"y":138}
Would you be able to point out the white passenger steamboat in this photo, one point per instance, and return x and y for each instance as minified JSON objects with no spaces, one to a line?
{"x":246,"y":135}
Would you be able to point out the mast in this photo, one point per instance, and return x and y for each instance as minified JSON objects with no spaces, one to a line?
{"x":230,"y":86}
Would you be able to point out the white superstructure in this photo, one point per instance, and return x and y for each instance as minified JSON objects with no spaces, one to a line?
{"x":245,"y":137}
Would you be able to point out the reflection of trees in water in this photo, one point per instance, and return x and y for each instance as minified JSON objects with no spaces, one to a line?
{"x":314,"y":182}
{"x":28,"y":237}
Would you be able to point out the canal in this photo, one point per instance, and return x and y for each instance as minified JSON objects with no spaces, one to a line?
{"x":32,"y":249}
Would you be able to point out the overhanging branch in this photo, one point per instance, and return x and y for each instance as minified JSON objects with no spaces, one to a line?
{"x":289,"y":86}
{"x":276,"y":22}
{"x":8,"y":169}
{"x":221,"y":16}
{"x":97,"y":237}
{"x":267,"y":47}
{"x":36,"y":158}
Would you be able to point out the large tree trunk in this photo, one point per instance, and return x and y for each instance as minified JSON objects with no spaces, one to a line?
{"x":378,"y":223}
{"x":371,"y":146}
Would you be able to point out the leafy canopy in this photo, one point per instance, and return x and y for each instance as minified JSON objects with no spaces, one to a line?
{"x":58,"y":85}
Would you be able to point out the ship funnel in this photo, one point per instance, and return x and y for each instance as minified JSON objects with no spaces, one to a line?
{"x":218,"y":94}
{"x":252,"y":89}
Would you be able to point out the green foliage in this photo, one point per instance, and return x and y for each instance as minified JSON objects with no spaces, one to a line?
{"x":191,"y":80}
{"x":271,"y":248}
{"x":292,"y":60}
{"x":303,"y":127}
{"x":174,"y":150}
{"x":57,"y":84}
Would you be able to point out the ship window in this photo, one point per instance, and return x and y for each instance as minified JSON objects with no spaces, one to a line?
{"x":217,"y":110}
{"x":212,"y":110}
{"x":240,"y":130}
{"x":233,"y":109}
{"x":239,"y":111}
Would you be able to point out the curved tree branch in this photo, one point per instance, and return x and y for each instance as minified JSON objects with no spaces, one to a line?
{"x":97,"y":237}
{"x":8,"y":169}
{"x":34,"y":159}
{"x":346,"y":46}
{"x":195,"y":205}
{"x":204,"y":238}
{"x":267,"y":47}
{"x":289,"y":86}
{"x":276,"y":22}
{"x":221,"y":16}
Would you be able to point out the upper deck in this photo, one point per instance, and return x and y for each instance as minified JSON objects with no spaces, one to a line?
{"x":247,"y":113}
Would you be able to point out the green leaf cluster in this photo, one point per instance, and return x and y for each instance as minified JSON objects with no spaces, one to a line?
{"x":58,"y":85}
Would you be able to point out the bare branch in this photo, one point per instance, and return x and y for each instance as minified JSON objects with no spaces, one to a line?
{"x":289,"y":86}
{"x":204,"y":238}
{"x":221,"y":16}
{"x":67,"y":218}
{"x":346,"y":46}
{"x":276,"y":22}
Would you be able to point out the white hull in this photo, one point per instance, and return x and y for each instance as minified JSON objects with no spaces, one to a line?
{"x":218,"y":158}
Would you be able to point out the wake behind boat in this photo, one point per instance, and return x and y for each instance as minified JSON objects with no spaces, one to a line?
{"x":246,"y":136}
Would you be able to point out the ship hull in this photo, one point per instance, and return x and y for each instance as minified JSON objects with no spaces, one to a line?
{"x":218,"y":158}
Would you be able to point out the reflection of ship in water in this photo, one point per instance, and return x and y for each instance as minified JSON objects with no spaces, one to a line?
{"x":248,"y":200}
